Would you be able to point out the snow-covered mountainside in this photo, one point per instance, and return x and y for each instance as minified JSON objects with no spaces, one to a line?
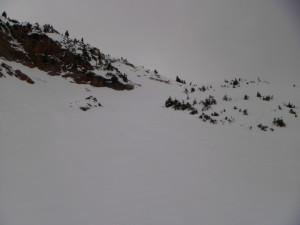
{"x":44,"y":48}
{"x":107,"y":142}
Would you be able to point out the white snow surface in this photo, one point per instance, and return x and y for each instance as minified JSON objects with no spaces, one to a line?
{"x":134,"y":162}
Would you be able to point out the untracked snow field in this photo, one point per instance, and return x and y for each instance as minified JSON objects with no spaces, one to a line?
{"x":134,"y":162}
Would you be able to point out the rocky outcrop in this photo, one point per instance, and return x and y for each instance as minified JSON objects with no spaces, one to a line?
{"x":17,"y":73}
{"x":35,"y":46}
{"x":99,"y":81}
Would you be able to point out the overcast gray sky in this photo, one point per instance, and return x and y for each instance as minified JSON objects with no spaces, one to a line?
{"x":199,"y":40}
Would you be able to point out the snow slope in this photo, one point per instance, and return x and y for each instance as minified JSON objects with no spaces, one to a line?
{"x":134,"y":162}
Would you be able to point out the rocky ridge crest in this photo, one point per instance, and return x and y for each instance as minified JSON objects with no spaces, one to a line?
{"x":45,"y":48}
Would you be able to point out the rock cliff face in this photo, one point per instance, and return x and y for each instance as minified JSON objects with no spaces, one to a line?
{"x":48,"y":50}
{"x":17,"y":73}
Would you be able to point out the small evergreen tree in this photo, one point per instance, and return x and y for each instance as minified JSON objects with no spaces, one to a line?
{"x":246,"y":97}
{"x":226,"y":98}
{"x":279,"y":122}
{"x":268,"y":97}
{"x":215,"y":114}
{"x":262,"y":127}
{"x":258,"y":95}
{"x":4,"y":14}
{"x":290,"y":105}
{"x":194,"y":111}
{"x":179,"y":80}
{"x":67,"y":34}
{"x":293,"y":112}
{"x":169,"y":102}
{"x":114,"y":79}
{"x":235,"y":82}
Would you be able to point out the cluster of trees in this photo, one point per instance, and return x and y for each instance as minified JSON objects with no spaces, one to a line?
{"x":177,"y":105}
{"x":264,"y":98}
{"x":293,"y":112}
{"x":229,"y":120}
{"x":208,"y":102}
{"x":4,"y":14}
{"x":232,"y":83}
{"x":108,"y":67}
{"x":245,"y":111}
{"x":276,"y":121}
{"x":47,"y":28}
{"x":85,"y":55}
{"x":203,"y":88}
{"x":204,"y":117}
{"x":179,"y":80}
{"x":226,"y":98}
{"x":92,"y":102}
{"x":215,"y":114}
{"x":124,"y":77}
{"x":237,"y":81}
{"x":279,"y":122}
{"x":263,"y":127}
{"x":290,"y":105}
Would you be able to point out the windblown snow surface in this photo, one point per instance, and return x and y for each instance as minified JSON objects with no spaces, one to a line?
{"x":135,"y":162}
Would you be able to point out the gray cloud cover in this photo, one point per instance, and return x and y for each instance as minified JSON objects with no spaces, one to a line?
{"x":199,"y":40}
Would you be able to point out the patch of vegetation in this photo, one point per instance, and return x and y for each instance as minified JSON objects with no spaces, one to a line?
{"x":262,"y":127}
{"x":290,"y":105}
{"x":180,"y":80}
{"x":293,"y":112}
{"x":279,"y":122}
{"x":208,"y":102}
{"x":267,"y":98}
{"x":177,"y":105}
{"x":206,"y":106}
{"x":226,"y":98}
{"x":245,"y":112}
{"x":246,"y":97}
{"x":206,"y":118}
